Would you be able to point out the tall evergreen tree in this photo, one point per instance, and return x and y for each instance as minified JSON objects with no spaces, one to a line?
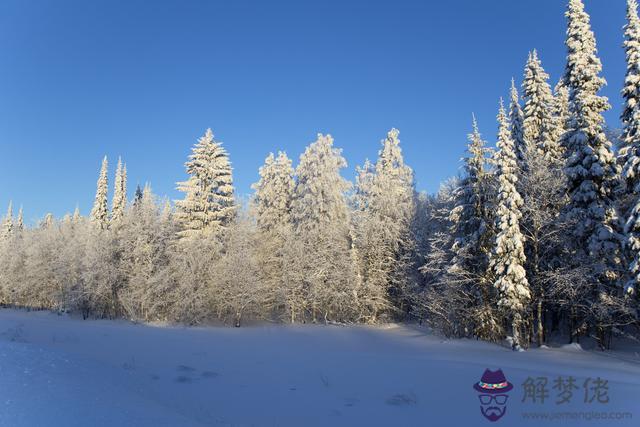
{"x":383,"y":234}
{"x":7,"y":223}
{"x":516,"y":118}
{"x":48,"y":221}
{"x":274,"y":192}
{"x":319,"y":195}
{"x":137,"y":197}
{"x":507,"y":258}
{"x":100,"y":213}
{"x":393,"y":202}
{"x":591,"y":168}
{"x":560,"y":112}
{"x":272,"y":207}
{"x":119,"y":202}
{"x":630,"y":152}
{"x":208,"y":205}
{"x":539,"y":124}
{"x":471,"y":215}
{"x":20,"y":221}
{"x":630,"y":138}
{"x":321,"y":220}
{"x":471,"y":229}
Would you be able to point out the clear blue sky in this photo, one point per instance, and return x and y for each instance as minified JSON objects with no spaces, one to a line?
{"x":144,"y":79}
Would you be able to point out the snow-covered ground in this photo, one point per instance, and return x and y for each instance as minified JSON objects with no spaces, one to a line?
{"x":61,"y":371}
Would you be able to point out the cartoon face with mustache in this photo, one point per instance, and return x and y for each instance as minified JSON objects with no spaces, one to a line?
{"x":493,"y":388}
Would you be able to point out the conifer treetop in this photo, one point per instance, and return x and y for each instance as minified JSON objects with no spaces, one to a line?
{"x":508,"y":258}
{"x":99,"y":212}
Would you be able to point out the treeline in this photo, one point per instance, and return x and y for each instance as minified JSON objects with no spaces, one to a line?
{"x":538,"y":235}
{"x":308,"y":248}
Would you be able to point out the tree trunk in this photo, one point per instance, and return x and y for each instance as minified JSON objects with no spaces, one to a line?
{"x":540,"y":324}
{"x":515,"y":326}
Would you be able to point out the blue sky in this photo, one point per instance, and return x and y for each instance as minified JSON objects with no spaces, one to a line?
{"x":144,"y":79}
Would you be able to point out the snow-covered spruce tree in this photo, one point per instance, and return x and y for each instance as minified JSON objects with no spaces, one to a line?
{"x":560,"y":111}
{"x":539,"y":124}
{"x":271,"y":206}
{"x":10,"y":259}
{"x":516,"y":118}
{"x":137,"y":196}
{"x":119,"y":202}
{"x":590,"y":167}
{"x":444,"y":301}
{"x":273,"y":192}
{"x":471,"y":230}
{"x":321,"y":221}
{"x":99,"y":213}
{"x":471,"y":215}
{"x":383,"y":236}
{"x":7,"y":222}
{"x":20,"y":221}
{"x":47,"y":221}
{"x":630,"y":151}
{"x":507,"y":258}
{"x":394,"y":201}
{"x":208,"y":206}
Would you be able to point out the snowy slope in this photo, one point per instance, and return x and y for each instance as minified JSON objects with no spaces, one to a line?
{"x":57,"y":370}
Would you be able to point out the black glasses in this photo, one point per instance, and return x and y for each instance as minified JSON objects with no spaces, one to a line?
{"x":500,"y":399}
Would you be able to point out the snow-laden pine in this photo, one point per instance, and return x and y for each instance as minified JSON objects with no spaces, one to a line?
{"x":591,"y":167}
{"x":276,"y":248}
{"x":208,"y":205}
{"x":516,"y":118}
{"x":385,"y":209}
{"x":100,"y":212}
{"x":471,"y":217}
{"x":560,"y":111}
{"x":119,"y":201}
{"x":7,"y":222}
{"x":630,"y":139}
{"x":539,"y":124}
{"x":592,"y":175}
{"x":20,"y":220}
{"x":319,"y":194}
{"x":460,"y":297}
{"x":47,"y":221}
{"x":274,"y":192}
{"x":507,"y":258}
{"x":321,"y":224}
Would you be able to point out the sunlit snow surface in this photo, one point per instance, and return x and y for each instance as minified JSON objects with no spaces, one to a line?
{"x":61,"y":371}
